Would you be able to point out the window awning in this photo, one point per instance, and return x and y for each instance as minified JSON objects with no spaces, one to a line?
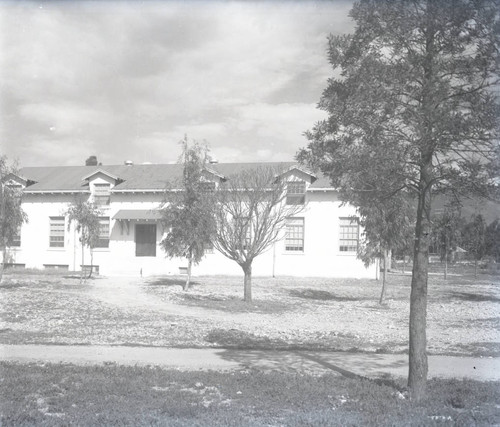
{"x":138,"y":214}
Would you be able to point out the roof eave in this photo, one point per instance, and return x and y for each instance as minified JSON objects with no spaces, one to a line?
{"x":56,"y":192}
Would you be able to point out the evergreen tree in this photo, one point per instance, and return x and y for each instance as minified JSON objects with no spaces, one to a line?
{"x":187,"y":210}
{"x":412,"y":108}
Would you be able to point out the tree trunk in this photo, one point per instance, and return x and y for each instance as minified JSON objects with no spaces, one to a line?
{"x":188,"y":280}
{"x":446,"y":259}
{"x":475,"y":268}
{"x":3,"y":264}
{"x":82,"y":274}
{"x":417,"y":375}
{"x":2,"y":239}
{"x":247,"y":282}
{"x":382,"y":294}
{"x":91,"y":263}
{"x":404,"y":263}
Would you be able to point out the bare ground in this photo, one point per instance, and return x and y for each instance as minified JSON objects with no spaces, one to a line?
{"x":303,"y":313}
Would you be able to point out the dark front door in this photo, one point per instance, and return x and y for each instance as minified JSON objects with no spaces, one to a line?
{"x":145,"y":240}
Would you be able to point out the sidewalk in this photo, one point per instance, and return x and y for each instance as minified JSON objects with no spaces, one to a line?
{"x":347,"y":364}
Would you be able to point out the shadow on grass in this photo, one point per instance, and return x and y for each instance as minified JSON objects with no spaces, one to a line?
{"x":170,"y":281}
{"x":233,"y":304}
{"x":480,"y":349}
{"x":320,"y":295}
{"x":469,"y":296}
{"x":370,"y":367}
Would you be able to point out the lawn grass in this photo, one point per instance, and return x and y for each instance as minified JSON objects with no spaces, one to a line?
{"x":55,"y":394}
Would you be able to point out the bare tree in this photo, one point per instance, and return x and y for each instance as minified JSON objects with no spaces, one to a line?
{"x":250,"y":213}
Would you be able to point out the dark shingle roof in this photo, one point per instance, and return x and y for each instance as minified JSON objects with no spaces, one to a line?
{"x":135,"y":177}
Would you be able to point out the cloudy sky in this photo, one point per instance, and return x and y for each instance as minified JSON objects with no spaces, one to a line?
{"x":127,"y":80}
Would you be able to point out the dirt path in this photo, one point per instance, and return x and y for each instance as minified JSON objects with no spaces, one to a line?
{"x":128,"y":293}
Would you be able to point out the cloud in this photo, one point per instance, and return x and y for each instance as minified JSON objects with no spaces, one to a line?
{"x":133,"y":77}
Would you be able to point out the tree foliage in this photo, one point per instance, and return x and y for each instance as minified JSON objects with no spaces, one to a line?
{"x":388,"y":227}
{"x":474,"y":238}
{"x":85,"y":215}
{"x":250,"y":214}
{"x":492,"y":242}
{"x":12,"y":215}
{"x":187,"y":209}
{"x":446,"y":229}
{"x":412,"y":108}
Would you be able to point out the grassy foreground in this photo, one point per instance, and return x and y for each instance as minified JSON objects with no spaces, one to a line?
{"x":51,"y":394}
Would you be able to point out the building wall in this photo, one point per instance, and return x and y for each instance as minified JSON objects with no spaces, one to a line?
{"x":321,"y":256}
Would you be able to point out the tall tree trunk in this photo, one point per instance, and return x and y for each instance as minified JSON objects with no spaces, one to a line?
{"x":475,"y":268}
{"x":382,"y":294}
{"x":446,"y":258}
{"x":445,"y":267}
{"x":3,"y":263}
{"x":418,"y":367}
{"x":404,"y":263}
{"x":190,"y":264}
{"x":2,"y":228}
{"x":247,"y":282}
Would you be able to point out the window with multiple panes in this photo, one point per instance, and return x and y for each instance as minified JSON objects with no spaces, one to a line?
{"x":294,"y":235}
{"x":145,"y":240}
{"x":103,"y":241}
{"x":242,"y":230}
{"x":102,"y":194}
{"x":16,"y":238}
{"x":295,"y":193}
{"x":348,"y":234}
{"x":56,"y":234}
{"x":207,"y":186}
{"x":208,"y":247}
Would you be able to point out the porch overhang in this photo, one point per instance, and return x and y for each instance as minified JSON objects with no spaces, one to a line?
{"x":124,"y":216}
{"x":138,"y":215}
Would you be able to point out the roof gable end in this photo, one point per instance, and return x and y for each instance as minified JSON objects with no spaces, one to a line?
{"x":298,"y":172}
{"x":100,"y":171}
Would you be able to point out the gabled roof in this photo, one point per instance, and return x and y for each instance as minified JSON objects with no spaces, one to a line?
{"x":16,"y":178}
{"x":147,"y":178}
{"x":104,"y":172}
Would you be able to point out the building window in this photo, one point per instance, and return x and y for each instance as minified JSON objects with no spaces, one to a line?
{"x":102,"y":194}
{"x":295,"y":193}
{"x":145,"y":240}
{"x":103,"y":241}
{"x":208,"y":247}
{"x":294,"y":235}
{"x":207,"y":186}
{"x":56,"y":237}
{"x":16,"y":238}
{"x":15,"y":187}
{"x":243,"y":231}
{"x":348,"y":234}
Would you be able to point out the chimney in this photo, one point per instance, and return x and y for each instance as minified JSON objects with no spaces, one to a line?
{"x":129,"y":162}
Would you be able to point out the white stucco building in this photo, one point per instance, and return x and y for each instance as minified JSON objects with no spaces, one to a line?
{"x":319,"y":241}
